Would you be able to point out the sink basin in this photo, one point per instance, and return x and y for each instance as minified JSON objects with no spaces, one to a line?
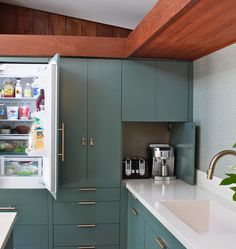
{"x":203,"y":216}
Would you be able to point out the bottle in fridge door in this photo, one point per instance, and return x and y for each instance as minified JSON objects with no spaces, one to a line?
{"x":29,"y":151}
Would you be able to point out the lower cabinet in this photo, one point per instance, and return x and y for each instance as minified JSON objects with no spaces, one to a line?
{"x":31,"y":230}
{"x":136,"y":227}
{"x":145,"y":231}
{"x":87,"y":218}
{"x":31,"y":237}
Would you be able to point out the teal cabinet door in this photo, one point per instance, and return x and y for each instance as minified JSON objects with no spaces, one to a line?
{"x":104,"y":123}
{"x":73,"y":112}
{"x":31,"y":237}
{"x":135,"y":236}
{"x":172,"y":91}
{"x":138,"y":90}
{"x":31,"y":205}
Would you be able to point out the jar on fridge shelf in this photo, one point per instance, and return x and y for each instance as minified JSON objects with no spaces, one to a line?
{"x":8,"y":88}
{"x":18,"y":88}
{"x":2,"y":111}
{"x":28,"y":91}
{"x":12,"y":112}
{"x":24,"y":112}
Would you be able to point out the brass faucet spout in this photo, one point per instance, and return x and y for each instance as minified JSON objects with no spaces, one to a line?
{"x":212,"y":165}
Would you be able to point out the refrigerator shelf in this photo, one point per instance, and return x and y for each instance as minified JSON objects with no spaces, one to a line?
{"x":16,"y":120}
{"x":13,"y":98}
{"x":14,"y":136}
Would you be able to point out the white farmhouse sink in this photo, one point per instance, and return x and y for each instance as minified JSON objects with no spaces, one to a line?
{"x":203,"y":216}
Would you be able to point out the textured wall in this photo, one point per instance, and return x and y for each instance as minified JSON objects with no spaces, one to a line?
{"x":215,"y":106}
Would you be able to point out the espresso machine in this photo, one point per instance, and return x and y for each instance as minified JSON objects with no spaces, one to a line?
{"x":163,"y":162}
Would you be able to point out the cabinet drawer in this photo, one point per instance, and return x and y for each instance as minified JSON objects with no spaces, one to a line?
{"x":83,"y":212}
{"x":73,"y":235}
{"x":92,"y":247}
{"x":87,"y":194}
{"x":31,"y":205}
{"x":30,"y":237}
{"x":160,"y":241}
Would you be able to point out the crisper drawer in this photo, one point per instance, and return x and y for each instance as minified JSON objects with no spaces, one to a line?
{"x":21,"y":166}
{"x":89,"y":247}
{"x":89,"y":234}
{"x":83,"y":212}
{"x":87,"y":194}
{"x":31,"y":205}
{"x":30,"y":237}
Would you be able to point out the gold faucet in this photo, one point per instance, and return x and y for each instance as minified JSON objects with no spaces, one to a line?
{"x":212,"y":165}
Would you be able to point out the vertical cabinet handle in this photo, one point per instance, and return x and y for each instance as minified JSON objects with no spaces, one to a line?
{"x":161,"y":243}
{"x":91,"y":141}
{"x":134,"y":211}
{"x":62,"y":154}
{"x":83,"y":141}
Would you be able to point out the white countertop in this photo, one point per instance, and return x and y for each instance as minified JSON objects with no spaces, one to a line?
{"x":7,"y":221}
{"x":221,"y":220}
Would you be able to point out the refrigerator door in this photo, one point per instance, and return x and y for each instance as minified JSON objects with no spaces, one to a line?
{"x":50,"y":79}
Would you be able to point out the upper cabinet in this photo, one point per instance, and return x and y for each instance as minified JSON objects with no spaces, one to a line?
{"x":90,"y":104}
{"x":138,"y":90}
{"x":156,"y":91}
{"x":172,"y":91}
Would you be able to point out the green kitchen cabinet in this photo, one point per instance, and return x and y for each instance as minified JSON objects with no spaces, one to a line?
{"x":138,"y":90}
{"x":73,"y":113}
{"x":156,"y":91}
{"x":172,"y":91}
{"x":136,"y":226}
{"x":90,"y":105}
{"x":145,"y":231}
{"x":31,"y":205}
{"x":31,"y":237}
{"x":104,"y":123}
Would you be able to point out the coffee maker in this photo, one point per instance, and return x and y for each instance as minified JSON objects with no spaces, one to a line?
{"x":163,"y":162}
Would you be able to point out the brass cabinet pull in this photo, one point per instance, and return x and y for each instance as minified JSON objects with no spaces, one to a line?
{"x":87,"y":225}
{"x":87,"y":247}
{"x":83,"y":141}
{"x":161,"y":243}
{"x":7,"y":208}
{"x":87,"y":189}
{"x":91,"y":141}
{"x":134,"y":211}
{"x":62,"y":154}
{"x":87,"y":202}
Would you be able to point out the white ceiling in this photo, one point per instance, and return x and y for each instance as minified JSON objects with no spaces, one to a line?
{"x":123,"y":13}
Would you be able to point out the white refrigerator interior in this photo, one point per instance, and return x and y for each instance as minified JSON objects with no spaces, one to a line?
{"x":29,"y":140}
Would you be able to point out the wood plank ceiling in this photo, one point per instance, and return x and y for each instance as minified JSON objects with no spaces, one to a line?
{"x":180,"y":29}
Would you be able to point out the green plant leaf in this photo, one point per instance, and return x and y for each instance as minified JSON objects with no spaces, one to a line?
{"x":234,"y":146}
{"x":233,"y":188}
{"x":230,"y":180}
{"x":234,"y":197}
{"x":232,"y":167}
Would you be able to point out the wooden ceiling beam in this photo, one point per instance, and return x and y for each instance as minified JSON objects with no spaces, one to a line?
{"x":162,"y":15}
{"x":38,"y":45}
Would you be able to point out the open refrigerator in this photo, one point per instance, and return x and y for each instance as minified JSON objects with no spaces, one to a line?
{"x":29,"y":139}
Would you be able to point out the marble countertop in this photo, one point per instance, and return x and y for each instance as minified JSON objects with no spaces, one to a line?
{"x":7,"y":221}
{"x":219,"y":217}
